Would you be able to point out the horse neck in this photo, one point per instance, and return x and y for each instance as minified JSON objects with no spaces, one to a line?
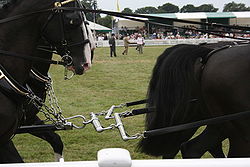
{"x":20,"y":39}
{"x":42,"y":67}
{"x":19,"y":36}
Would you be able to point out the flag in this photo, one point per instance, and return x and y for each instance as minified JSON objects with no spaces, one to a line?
{"x":117,"y":6}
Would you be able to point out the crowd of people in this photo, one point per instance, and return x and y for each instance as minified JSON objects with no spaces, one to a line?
{"x":186,"y":32}
{"x":137,"y":37}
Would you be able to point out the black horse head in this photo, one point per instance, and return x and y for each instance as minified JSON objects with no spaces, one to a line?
{"x":64,"y":31}
{"x":28,"y":20}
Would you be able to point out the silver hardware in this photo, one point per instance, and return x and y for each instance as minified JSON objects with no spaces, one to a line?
{"x":68,"y":58}
{"x":122,"y":131}
{"x":111,"y":110}
{"x":53,"y":113}
{"x":77,"y":116}
{"x":97,"y":125}
{"x":66,"y":76}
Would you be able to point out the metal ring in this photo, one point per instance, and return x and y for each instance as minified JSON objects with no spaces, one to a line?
{"x":66,"y":58}
{"x":57,"y":4}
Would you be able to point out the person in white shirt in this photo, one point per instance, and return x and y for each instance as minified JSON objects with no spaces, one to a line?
{"x":140,"y":43}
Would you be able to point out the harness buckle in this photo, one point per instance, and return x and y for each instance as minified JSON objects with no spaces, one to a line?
{"x":57,"y":4}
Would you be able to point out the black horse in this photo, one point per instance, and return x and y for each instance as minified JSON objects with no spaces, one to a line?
{"x":178,"y":77}
{"x":39,"y":79}
{"x":18,"y":41}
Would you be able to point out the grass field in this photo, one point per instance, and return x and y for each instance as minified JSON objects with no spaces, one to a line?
{"x":110,"y":81}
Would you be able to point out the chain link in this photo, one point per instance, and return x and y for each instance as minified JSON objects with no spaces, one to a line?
{"x":54,"y":114}
{"x":126,"y":113}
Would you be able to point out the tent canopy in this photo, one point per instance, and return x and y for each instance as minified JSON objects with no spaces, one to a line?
{"x":98,"y":27}
{"x":204,"y":15}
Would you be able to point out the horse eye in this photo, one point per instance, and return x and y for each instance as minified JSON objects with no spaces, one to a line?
{"x":75,"y":22}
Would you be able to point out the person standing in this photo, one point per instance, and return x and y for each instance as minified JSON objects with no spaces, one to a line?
{"x":112,"y":45}
{"x":126,"y":44}
{"x":140,"y":43}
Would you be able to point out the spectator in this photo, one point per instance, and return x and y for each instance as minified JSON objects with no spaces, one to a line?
{"x":140,"y":43}
{"x":126,"y":44}
{"x":112,"y":45}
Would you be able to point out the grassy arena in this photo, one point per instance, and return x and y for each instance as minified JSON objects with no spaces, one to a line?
{"x":110,"y":81}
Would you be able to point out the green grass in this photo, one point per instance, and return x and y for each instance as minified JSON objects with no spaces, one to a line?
{"x":110,"y":81}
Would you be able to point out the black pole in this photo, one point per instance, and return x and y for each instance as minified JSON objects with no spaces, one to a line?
{"x":37,"y":128}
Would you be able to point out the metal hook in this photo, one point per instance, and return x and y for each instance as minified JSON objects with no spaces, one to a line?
{"x":77,"y":116}
{"x":121,"y":128}
{"x":66,"y":76}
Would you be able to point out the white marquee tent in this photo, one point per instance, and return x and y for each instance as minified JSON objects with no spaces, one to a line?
{"x":98,"y":27}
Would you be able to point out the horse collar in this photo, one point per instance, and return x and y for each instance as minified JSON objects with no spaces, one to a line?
{"x":206,"y":58}
{"x":10,"y":86}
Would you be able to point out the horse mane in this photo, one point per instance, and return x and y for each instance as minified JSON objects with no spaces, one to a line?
{"x":170,"y":90}
{"x":176,"y":82}
{"x":153,"y":84}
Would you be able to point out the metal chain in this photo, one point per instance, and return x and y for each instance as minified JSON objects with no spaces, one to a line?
{"x":126,"y":113}
{"x":53,"y":101}
{"x":54,"y":114}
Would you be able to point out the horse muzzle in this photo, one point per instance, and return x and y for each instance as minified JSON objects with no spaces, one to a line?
{"x":78,"y":70}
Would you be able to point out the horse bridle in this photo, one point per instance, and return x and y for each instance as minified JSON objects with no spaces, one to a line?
{"x":67,"y":60}
{"x":65,"y":45}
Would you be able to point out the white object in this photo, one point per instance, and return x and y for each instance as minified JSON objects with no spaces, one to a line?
{"x":114,"y":157}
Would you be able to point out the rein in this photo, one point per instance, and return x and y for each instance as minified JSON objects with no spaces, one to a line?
{"x":31,"y":58}
{"x":212,"y":32}
{"x":118,"y":14}
{"x":132,"y":17}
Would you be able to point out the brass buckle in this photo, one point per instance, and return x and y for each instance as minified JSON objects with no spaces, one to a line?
{"x":59,"y":4}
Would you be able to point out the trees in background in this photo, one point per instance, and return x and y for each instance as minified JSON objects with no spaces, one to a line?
{"x":105,"y":21}
{"x":127,"y":10}
{"x":235,"y":7}
{"x":165,"y":8}
{"x":202,"y":8}
{"x":146,"y":10}
{"x":170,"y":8}
{"x":91,"y":4}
